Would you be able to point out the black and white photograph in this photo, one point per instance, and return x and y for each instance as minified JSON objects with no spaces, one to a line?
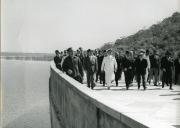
{"x":90,"y":64}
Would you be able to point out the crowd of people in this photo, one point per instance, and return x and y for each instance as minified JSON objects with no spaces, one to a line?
{"x":142,"y":66}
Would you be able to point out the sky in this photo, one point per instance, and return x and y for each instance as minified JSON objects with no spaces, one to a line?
{"x":47,"y":25}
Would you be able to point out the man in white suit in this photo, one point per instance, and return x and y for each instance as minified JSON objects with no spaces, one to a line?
{"x":109,"y":65}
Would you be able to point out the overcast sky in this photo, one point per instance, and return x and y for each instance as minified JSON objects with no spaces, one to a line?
{"x":46,"y":25}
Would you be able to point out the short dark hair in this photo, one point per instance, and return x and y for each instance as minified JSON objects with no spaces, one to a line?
{"x":167,"y":53}
{"x":57,"y":51}
{"x":69,"y":49}
{"x":89,"y":50}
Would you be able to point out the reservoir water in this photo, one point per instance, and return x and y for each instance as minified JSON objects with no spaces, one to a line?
{"x":25,"y":94}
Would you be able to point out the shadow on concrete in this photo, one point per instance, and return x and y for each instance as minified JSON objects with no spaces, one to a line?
{"x":175,"y":91}
{"x":154,"y":89}
{"x":100,"y":89}
{"x":170,"y":94}
{"x":176,"y":126}
{"x":123,"y":89}
{"x":176,"y":99}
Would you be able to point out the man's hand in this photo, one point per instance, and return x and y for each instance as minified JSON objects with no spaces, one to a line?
{"x":125,"y":69}
{"x":70,"y":71}
{"x":164,"y":70}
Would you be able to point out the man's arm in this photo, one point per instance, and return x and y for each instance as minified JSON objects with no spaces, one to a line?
{"x":103,"y":64}
{"x":80,"y":67}
{"x":96,"y":62}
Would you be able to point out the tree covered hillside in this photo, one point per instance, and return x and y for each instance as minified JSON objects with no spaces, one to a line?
{"x":162,"y":36}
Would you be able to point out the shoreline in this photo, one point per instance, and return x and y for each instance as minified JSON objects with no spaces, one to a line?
{"x":27,"y":56}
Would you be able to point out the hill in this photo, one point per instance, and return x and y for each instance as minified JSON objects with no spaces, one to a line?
{"x":162,"y":36}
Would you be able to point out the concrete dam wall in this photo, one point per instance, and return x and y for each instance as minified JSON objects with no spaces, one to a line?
{"x":73,"y":105}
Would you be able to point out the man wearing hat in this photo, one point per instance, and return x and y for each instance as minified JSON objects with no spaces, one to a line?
{"x":177,"y":69}
{"x":140,"y":67}
{"x":91,"y":68}
{"x":167,"y":67}
{"x":73,"y":66}
{"x":109,"y":65}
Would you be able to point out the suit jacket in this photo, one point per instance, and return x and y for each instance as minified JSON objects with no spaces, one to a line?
{"x":73,"y":64}
{"x":119,"y":61}
{"x":99,"y":59}
{"x":127,"y":63}
{"x":177,"y":66}
{"x":57,"y":61}
{"x":167,"y":64}
{"x":91,"y":64}
{"x":155,"y":63}
{"x":141,"y":66}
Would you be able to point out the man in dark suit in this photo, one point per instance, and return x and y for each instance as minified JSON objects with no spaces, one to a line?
{"x":128,"y":66}
{"x":167,"y":66}
{"x":177,"y":68}
{"x":91,"y":68}
{"x":102,"y":73}
{"x":57,"y":60}
{"x":99,"y":60}
{"x":140,"y":66}
{"x":73,"y":66}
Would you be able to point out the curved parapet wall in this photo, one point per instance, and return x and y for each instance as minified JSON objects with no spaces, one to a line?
{"x":73,"y":105}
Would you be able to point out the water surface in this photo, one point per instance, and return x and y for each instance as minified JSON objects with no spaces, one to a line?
{"x":25,"y":94}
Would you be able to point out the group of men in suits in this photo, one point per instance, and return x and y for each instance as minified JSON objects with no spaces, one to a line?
{"x":108,"y":65}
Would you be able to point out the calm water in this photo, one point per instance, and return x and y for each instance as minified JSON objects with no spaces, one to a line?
{"x":25,"y":101}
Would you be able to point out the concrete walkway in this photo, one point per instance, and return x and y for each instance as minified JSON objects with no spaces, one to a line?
{"x":151,"y":106}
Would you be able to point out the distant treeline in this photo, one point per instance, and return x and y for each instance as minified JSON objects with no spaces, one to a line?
{"x":162,"y":36}
{"x":27,"y":56}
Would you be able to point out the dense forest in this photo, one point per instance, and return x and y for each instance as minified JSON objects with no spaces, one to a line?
{"x":161,"y":36}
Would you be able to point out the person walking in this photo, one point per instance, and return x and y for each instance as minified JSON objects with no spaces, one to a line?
{"x":119,"y":68}
{"x":72,"y":66}
{"x":177,"y":69}
{"x":99,"y":59}
{"x":109,"y":65}
{"x":57,"y":60}
{"x":140,"y":67}
{"x":128,"y":65}
{"x":167,"y":66}
{"x":155,"y":68}
{"x":91,"y":68}
{"x":146,"y":56}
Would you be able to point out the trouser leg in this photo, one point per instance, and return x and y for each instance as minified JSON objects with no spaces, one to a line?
{"x":138,"y":77}
{"x":108,"y":77}
{"x":151,"y":74}
{"x":132,"y":75}
{"x":126,"y":78}
{"x":117,"y":76}
{"x":103,"y":77}
{"x":176,"y":77}
{"x":169,"y":78}
{"x":88,"y":79}
{"x":146,"y":75}
{"x":163,"y":79}
{"x":98,"y":76}
{"x":93,"y":80}
{"x":144,"y":81}
{"x":156,"y":75}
